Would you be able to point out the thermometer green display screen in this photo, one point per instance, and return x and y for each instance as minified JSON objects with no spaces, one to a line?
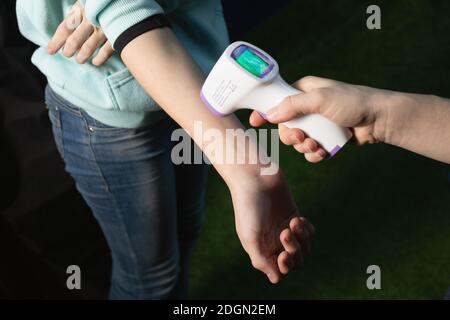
{"x":253,"y":63}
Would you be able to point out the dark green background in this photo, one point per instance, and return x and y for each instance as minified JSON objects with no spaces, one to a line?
{"x":371,"y":205}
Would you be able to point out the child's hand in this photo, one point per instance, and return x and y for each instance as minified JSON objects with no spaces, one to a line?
{"x":78,"y":36}
{"x":348,"y":105}
{"x":269,"y":226}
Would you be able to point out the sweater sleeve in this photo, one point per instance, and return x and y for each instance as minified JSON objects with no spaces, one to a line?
{"x":115,"y":17}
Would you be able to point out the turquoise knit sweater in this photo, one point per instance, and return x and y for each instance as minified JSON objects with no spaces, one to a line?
{"x":110,"y":93}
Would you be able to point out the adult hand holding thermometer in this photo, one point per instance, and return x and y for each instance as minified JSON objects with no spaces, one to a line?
{"x":246,"y":77}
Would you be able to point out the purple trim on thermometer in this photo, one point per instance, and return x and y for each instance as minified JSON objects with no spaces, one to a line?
{"x":239,"y":50}
{"x":334,"y":151}
{"x":263,"y":115}
{"x":210,"y":107}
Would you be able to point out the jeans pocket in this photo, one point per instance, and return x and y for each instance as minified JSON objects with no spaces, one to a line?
{"x":127,"y":94}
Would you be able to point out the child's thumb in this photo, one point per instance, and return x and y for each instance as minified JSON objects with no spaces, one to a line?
{"x":266,"y":265}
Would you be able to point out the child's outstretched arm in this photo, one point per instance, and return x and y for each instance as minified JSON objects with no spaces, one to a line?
{"x":263,"y":205}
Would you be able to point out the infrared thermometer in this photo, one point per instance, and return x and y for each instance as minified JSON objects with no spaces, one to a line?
{"x":246,"y":77}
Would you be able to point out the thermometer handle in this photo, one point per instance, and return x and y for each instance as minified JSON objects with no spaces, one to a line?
{"x":331,"y":136}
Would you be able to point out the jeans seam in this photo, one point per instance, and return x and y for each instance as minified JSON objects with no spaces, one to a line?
{"x":61,"y":143}
{"x":55,"y":119}
{"x":57,"y":130}
{"x":114,"y":199}
{"x":112,"y":96}
{"x":96,"y":125}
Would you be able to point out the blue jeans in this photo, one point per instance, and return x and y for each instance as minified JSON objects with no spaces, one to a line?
{"x":149,"y":209}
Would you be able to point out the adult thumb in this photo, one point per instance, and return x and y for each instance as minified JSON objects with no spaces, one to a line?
{"x":293,"y":107}
{"x":309,"y":101}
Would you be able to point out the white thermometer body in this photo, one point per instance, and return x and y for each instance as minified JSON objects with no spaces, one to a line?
{"x":245,"y":77}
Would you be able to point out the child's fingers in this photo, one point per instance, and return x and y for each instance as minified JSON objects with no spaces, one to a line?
{"x":103,"y":55}
{"x":296,"y":225}
{"x":303,"y":231}
{"x":90,"y":46}
{"x":305,"y":240}
{"x":269,"y":266}
{"x":291,"y":245}
{"x":285,"y":263}
{"x":309,"y":226}
{"x":59,"y":38}
{"x":77,"y":39}
{"x":66,"y":29}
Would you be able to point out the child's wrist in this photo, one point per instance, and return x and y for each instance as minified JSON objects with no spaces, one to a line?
{"x":237,"y":176}
{"x":251,"y":179}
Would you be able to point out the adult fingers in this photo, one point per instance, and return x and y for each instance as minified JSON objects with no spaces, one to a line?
{"x":291,"y":136}
{"x":307,"y":146}
{"x":256,"y":120}
{"x":311,"y":83}
{"x":298,"y":105}
{"x":316,"y":157}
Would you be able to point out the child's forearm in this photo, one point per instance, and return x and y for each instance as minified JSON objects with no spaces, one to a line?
{"x":419,"y":123}
{"x":168,"y":73}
